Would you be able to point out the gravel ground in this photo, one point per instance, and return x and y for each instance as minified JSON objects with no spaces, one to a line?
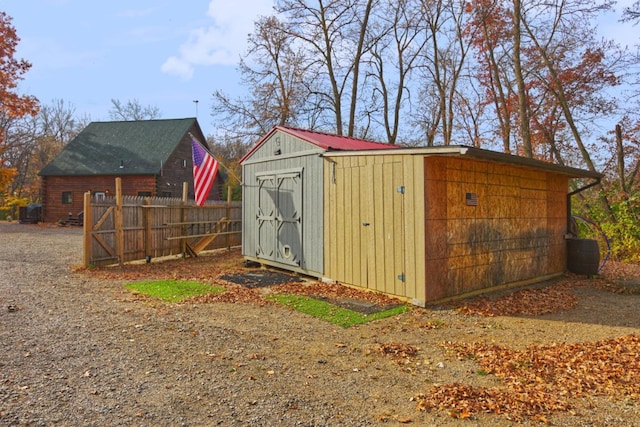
{"x":79,"y":350}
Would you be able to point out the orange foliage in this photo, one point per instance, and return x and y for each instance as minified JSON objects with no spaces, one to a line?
{"x":11,"y":71}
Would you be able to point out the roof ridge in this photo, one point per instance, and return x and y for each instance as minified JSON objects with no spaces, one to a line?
{"x":144,"y":120}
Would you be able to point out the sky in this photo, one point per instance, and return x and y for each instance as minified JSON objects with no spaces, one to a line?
{"x":162,"y":53}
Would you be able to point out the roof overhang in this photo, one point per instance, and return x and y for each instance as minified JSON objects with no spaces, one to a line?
{"x":475,"y":153}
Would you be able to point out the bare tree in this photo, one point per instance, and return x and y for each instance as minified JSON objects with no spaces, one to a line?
{"x":273,"y":71}
{"x":632,"y":13}
{"x":400,"y":40}
{"x":335,"y":36}
{"x":132,"y":110}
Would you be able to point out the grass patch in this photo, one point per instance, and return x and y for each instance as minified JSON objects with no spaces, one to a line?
{"x":173,"y":290}
{"x":332,"y":313}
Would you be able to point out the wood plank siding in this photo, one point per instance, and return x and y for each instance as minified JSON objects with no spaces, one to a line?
{"x":431,"y":227}
{"x":282,"y":205}
{"x":372,"y":227}
{"x":489,"y":224}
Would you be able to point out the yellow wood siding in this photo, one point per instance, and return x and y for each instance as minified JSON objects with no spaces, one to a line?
{"x":373,"y":231}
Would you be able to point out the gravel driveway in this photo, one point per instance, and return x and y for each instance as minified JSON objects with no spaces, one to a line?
{"x":76,"y":350}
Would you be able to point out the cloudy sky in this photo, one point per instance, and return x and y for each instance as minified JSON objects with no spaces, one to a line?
{"x":162,"y":53}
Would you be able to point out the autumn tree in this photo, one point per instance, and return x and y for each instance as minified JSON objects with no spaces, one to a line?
{"x":228,"y":152}
{"x":488,"y":33}
{"x":33,"y":141}
{"x":12,"y":104}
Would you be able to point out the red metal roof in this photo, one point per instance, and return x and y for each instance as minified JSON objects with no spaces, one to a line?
{"x":326,"y":141}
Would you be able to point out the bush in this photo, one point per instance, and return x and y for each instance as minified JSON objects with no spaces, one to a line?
{"x":4,"y":213}
{"x":622,"y":230}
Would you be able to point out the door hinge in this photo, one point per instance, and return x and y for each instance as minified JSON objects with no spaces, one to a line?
{"x":400,"y":189}
{"x":402,"y":277}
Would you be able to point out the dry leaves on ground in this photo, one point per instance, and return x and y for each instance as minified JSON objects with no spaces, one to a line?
{"x":336,"y":291}
{"x":528,"y":302}
{"x":552,"y":298}
{"x":398,"y":350}
{"x":208,"y":269}
{"x":541,"y":379}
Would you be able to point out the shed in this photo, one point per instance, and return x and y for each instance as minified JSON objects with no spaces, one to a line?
{"x":283,"y":197}
{"x":152,"y":157}
{"x":425,"y":224}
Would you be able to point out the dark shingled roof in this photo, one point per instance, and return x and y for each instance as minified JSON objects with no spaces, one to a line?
{"x":102,"y":147}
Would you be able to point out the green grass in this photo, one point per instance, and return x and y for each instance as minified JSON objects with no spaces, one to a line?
{"x":173,"y":290}
{"x":332,"y":313}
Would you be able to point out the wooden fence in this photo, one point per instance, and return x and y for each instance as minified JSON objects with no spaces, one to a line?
{"x":126,"y":228}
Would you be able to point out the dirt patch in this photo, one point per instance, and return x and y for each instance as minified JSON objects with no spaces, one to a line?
{"x":260,"y":278}
{"x":78,"y":349}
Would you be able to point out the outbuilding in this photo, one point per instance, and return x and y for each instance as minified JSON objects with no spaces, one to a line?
{"x":425,"y":224}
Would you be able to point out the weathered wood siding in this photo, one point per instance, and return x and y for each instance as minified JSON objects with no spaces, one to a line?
{"x":374,"y":223}
{"x":53,"y":187}
{"x":262,"y":174}
{"x":514,"y":233}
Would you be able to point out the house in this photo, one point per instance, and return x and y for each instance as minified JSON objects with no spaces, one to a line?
{"x":152,"y":158}
{"x":424,"y":224}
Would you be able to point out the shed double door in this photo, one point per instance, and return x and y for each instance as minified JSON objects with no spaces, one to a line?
{"x":279,"y":217}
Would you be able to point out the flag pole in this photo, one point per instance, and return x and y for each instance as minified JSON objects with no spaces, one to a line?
{"x":219,"y":162}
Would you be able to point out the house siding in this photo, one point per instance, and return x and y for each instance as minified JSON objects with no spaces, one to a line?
{"x":54,"y":186}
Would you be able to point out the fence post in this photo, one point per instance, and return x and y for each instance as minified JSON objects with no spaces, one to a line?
{"x":183,"y":216}
{"x":118,"y":222}
{"x":228,"y":215}
{"x":87,"y":225}
{"x":147,"y":229}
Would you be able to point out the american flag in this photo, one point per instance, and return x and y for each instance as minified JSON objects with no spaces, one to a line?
{"x":205,"y":168}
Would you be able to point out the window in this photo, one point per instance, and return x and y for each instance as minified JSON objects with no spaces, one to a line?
{"x":99,"y":195}
{"x":144,"y":193}
{"x":67,"y":199}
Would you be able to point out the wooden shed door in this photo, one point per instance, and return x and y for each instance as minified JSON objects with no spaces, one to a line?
{"x":382,"y":218}
{"x":280,"y":217}
{"x":266,"y":217}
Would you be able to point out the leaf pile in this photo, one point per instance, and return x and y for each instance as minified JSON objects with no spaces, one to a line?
{"x":336,"y":291}
{"x":541,"y":379}
{"x":398,"y":350}
{"x":233,"y":294}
